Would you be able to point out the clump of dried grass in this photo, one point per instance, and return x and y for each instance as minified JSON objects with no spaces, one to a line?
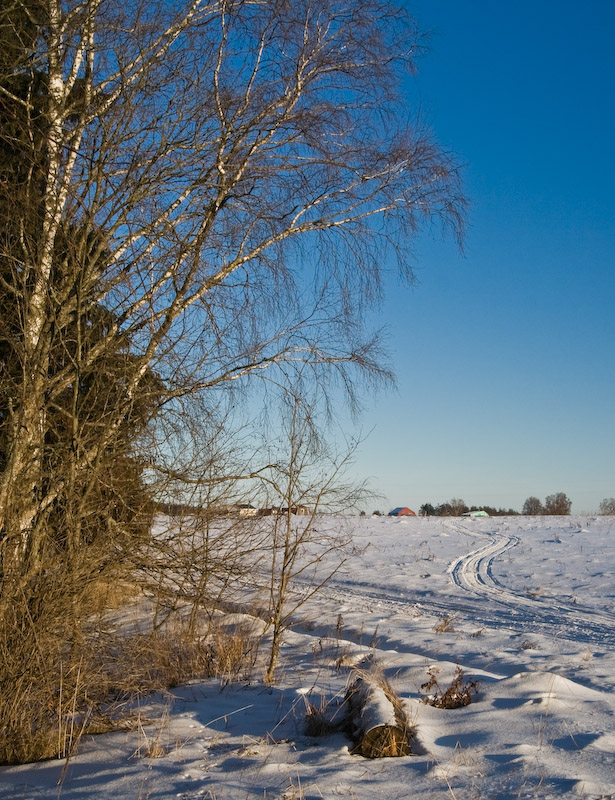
{"x":105,"y":595}
{"x":445,"y":625}
{"x":456,"y":695}
{"x":320,"y":717}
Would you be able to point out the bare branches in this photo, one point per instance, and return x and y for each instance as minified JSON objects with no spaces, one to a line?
{"x":304,"y":549}
{"x":198,"y":199}
{"x":194,"y":195}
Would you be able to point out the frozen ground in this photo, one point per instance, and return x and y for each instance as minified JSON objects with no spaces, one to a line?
{"x":524,"y":605}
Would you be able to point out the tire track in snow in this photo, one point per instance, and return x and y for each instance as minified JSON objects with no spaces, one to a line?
{"x":473,"y":572}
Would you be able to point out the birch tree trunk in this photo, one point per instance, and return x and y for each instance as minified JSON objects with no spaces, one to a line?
{"x":21,"y":485}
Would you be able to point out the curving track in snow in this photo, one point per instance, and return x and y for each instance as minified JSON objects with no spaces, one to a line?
{"x":474,"y":573}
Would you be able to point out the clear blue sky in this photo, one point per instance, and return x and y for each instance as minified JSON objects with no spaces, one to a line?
{"x":505,"y":354}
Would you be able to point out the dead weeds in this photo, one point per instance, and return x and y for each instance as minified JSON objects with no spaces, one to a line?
{"x":456,"y":695}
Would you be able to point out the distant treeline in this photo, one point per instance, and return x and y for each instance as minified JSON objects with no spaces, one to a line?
{"x":457,"y":507}
{"x":557,"y":503}
{"x":178,"y":509}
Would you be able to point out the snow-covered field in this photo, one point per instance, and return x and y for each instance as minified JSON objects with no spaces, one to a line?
{"x":524,"y":605}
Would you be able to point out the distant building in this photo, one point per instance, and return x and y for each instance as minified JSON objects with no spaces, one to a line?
{"x":475,"y":514}
{"x":402,"y":511}
{"x":270,"y":511}
{"x":244,"y":509}
{"x":274,"y":511}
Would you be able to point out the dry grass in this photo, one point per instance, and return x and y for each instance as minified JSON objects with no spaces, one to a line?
{"x":294,"y":791}
{"x":155,"y":743}
{"x":445,"y":625}
{"x":234,"y":651}
{"x":105,"y":595}
{"x":55,"y":688}
{"x":456,"y":695}
{"x":320,"y":717}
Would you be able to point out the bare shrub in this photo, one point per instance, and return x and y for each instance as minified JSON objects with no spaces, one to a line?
{"x":54,"y":699}
{"x":306,"y":477}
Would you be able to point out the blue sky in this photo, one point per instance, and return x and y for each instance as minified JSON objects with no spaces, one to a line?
{"x":504,"y":355}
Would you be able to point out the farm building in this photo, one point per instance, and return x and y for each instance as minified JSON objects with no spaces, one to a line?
{"x":402,"y":511}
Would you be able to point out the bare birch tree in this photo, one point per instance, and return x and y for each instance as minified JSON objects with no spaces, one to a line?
{"x":228,"y":172}
{"x":193,"y":194}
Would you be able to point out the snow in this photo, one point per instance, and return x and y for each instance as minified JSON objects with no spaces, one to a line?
{"x":525,"y":605}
